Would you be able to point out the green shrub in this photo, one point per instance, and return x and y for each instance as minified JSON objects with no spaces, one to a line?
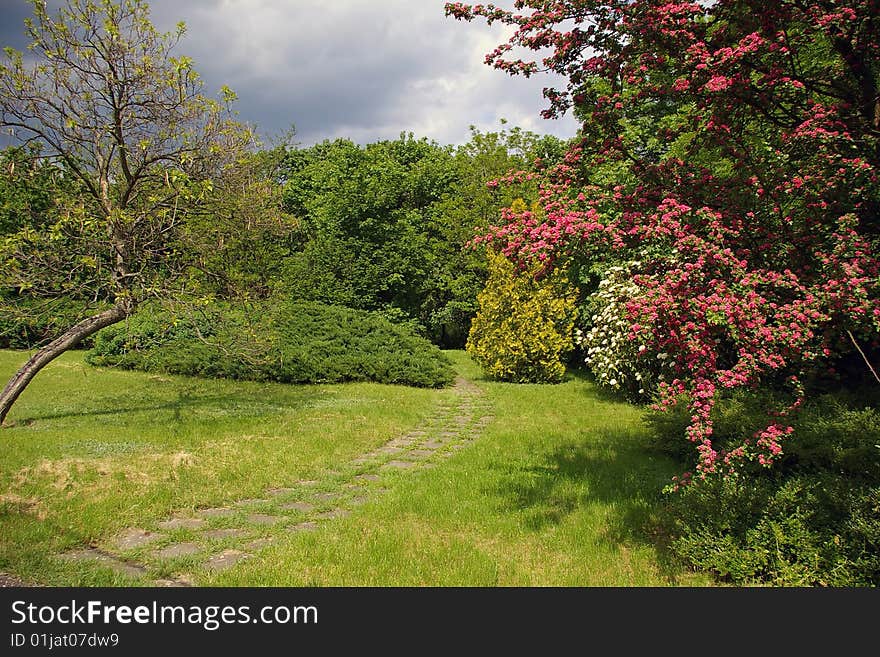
{"x":801,"y":530}
{"x":305,"y":342}
{"x":811,"y":520}
{"x":524,"y":326}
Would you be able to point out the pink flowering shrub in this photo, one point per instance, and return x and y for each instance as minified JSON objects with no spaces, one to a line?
{"x":733,"y":147}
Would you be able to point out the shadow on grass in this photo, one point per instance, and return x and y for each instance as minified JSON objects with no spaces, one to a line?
{"x":185,"y":400}
{"x":599,"y":391}
{"x":612,"y":468}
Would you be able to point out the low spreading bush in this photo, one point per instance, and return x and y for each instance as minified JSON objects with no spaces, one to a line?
{"x":304,"y":342}
{"x":800,"y":530}
{"x":813,"y":519}
{"x":524,"y":326}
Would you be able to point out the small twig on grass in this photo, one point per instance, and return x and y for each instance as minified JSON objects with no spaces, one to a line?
{"x":865,"y":358}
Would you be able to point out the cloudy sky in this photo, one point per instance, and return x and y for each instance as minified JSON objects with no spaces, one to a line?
{"x":362,"y":69}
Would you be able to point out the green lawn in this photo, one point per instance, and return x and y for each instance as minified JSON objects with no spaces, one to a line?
{"x":556,"y":490}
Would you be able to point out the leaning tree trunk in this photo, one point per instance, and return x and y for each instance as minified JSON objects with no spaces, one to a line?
{"x":51,"y":351}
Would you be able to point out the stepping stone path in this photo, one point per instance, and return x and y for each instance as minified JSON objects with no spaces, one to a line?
{"x":220,"y":534}
{"x":181,"y":523}
{"x":107,"y":560}
{"x":177,"y":550}
{"x":134,"y":538}
{"x":220,"y":537}
{"x":225,"y":559}
{"x":305,"y":507}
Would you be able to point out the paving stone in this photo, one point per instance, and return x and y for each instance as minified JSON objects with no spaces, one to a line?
{"x":171,"y":583}
{"x":226,"y":559}
{"x":181,"y":523}
{"x":305,"y":507}
{"x":262,"y":519}
{"x":399,"y":464}
{"x":326,"y":497}
{"x":215,"y":512}
{"x":334,"y":513}
{"x":177,"y":550}
{"x":220,"y":534}
{"x":433,"y":444}
{"x":422,"y":452}
{"x":307,"y":482}
{"x":304,"y":527}
{"x":133,"y":538}
{"x":251,"y":501}
{"x":368,"y":476}
{"x":91,"y":554}
{"x":281,"y":491}
{"x":360,"y":499}
{"x":389,"y":450}
{"x":258,"y":544}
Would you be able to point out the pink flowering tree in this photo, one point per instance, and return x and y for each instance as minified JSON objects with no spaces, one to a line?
{"x":732,"y":149}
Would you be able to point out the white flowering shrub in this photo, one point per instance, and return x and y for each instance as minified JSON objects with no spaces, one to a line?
{"x":616,"y":359}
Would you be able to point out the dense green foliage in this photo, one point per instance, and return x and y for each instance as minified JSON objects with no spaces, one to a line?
{"x":385,"y":226}
{"x":524,"y":325}
{"x":298,"y":342}
{"x":812,"y":520}
{"x":29,"y":189}
{"x":26,"y":323}
{"x":33,"y":192}
{"x":379,"y":227}
{"x":238,"y":240}
{"x":365,"y":220}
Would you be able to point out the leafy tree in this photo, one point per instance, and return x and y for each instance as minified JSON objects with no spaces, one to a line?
{"x":29,"y":187}
{"x":363,"y":213}
{"x":472,"y":204}
{"x":743,"y":143}
{"x":101,"y":93}
{"x":384,"y":226}
{"x":33,"y":190}
{"x":238,"y":242}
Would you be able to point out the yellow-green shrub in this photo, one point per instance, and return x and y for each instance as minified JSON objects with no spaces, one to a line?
{"x":524,"y":326}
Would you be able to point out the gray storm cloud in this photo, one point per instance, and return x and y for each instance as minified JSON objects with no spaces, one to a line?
{"x":361,"y":69}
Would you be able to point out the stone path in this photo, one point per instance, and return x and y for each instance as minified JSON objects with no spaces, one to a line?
{"x":172,"y":551}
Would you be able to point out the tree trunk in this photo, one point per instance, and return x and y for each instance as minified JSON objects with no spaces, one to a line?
{"x":51,"y":351}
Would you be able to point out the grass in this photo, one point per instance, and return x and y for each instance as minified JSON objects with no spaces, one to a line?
{"x":557,"y":491}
